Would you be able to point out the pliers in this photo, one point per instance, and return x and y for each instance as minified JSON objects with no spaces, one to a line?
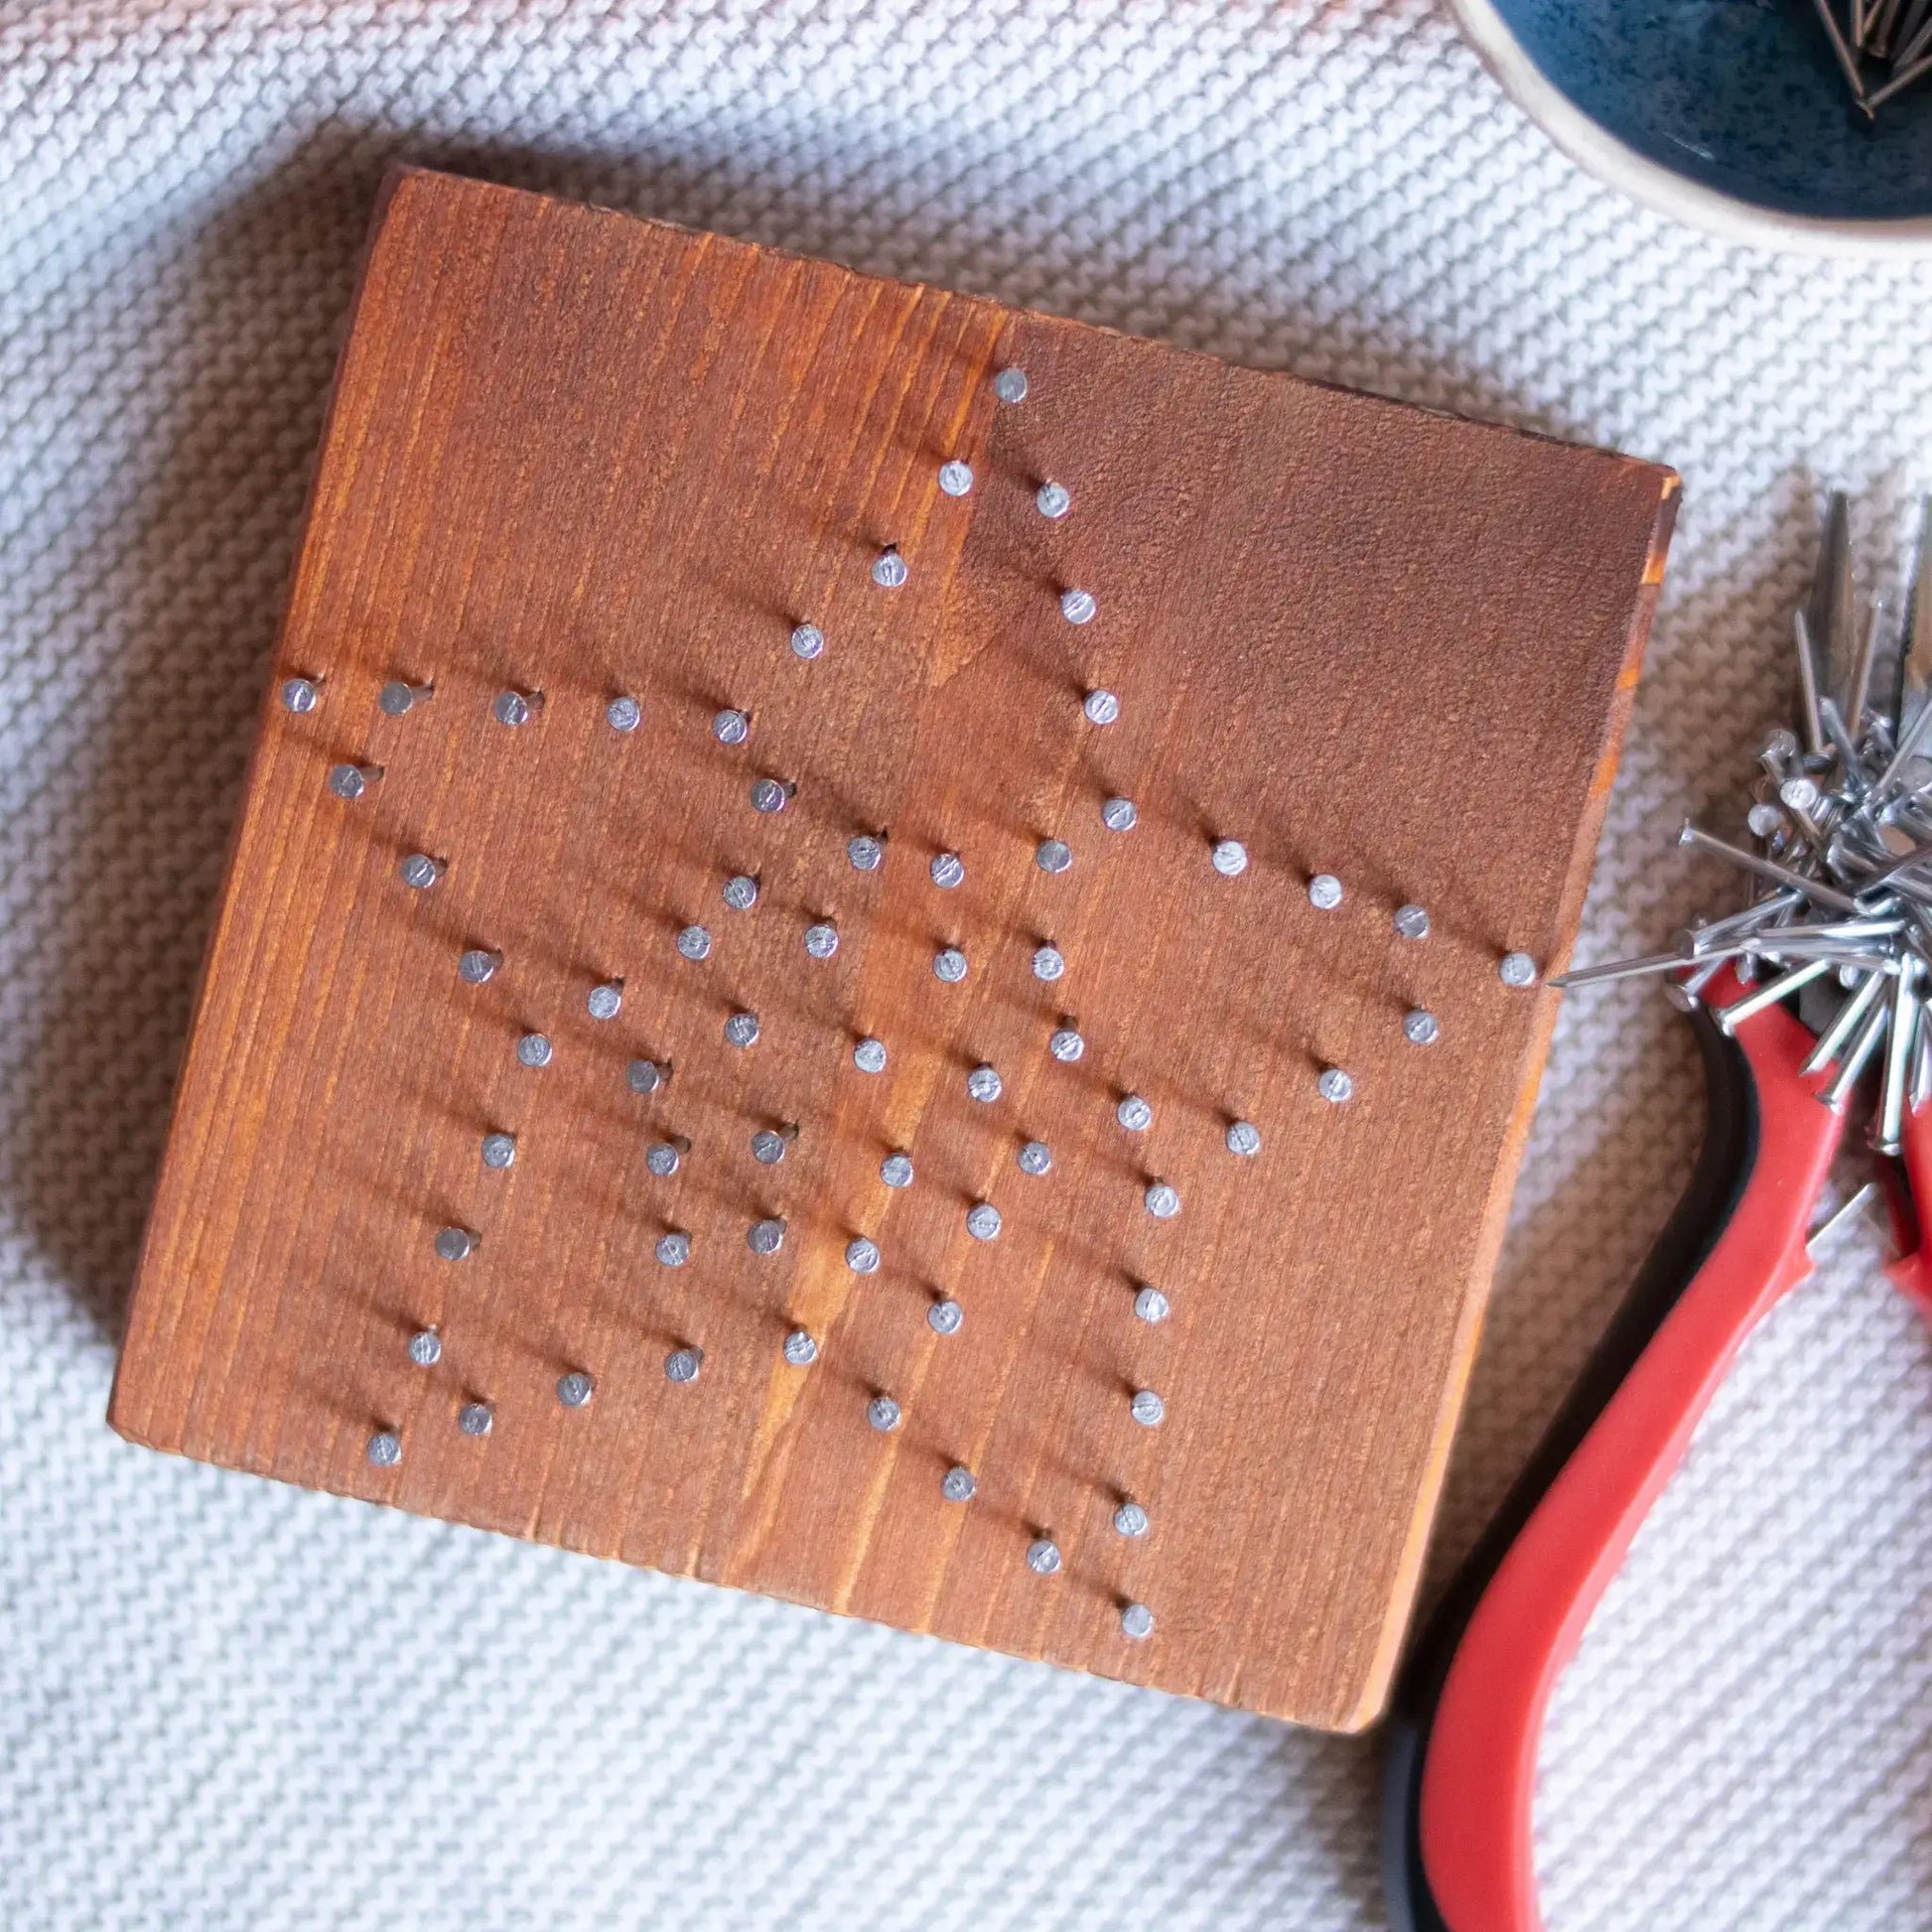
{"x":1844,"y":836}
{"x":1469,"y":1709}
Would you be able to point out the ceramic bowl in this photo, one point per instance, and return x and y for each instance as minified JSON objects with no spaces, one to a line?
{"x":1730,"y":114}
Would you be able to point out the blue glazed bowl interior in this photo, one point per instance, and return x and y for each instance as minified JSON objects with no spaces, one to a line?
{"x":1743,"y":97}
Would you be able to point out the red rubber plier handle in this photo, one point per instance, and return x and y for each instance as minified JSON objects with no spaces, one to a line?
{"x":1469,"y":1714}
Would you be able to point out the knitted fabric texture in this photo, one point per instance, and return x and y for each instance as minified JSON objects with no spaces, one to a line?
{"x":225,"y":1703}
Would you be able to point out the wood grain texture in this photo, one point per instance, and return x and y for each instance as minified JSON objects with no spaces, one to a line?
{"x":581,"y":454}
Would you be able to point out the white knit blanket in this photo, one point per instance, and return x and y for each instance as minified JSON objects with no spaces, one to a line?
{"x":225,"y":1703}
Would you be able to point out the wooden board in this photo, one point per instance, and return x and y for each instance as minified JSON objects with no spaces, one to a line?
{"x":581,"y":455}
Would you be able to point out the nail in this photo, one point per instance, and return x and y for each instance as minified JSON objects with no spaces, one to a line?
{"x":983,"y":1221}
{"x":1079,"y":607}
{"x":1035,"y":1158}
{"x":673,"y":1249}
{"x":868,"y":1055}
{"x":397,"y":698}
{"x":740,"y":891}
{"x":420,"y":871}
{"x":1053,"y":855}
{"x":866,"y":853}
{"x":352,"y":780}
{"x":801,"y":1351}
{"x":1066,"y":1045}
{"x":456,"y":1243}
{"x":770,"y":1144}
{"x":1130,"y":1519}
{"x":476,"y":967}
{"x":956,"y":477}
{"x":1053,"y":500}
{"x":499,"y":1151}
{"x":765,"y":1237}
{"x":533,"y":1050}
{"x":959,"y":1485}
{"x":889,"y":570}
{"x":741,"y":1029}
{"x":807,"y":642}
{"x":1148,"y":1409}
{"x":386,"y":1447}
{"x":1150,"y":1304}
{"x":1049,"y":963}
{"x":301,"y":694}
{"x":647,"y":1076}
{"x":862,"y":1256}
{"x":1324,"y":892}
{"x":896,"y":1170}
{"x":476,"y":1419}
{"x":1243,"y":1138}
{"x":1411,"y":922}
{"x":949,"y":965}
{"x":515,"y":707}
{"x":730,"y":727}
{"x":1134,"y":1112}
{"x":1137,"y":1621}
{"x":683,"y":1364}
{"x":883,"y":1414}
{"x":983,"y":1083}
{"x":1335,"y":1085}
{"x":821,"y":939}
{"x":1230,"y":857}
{"x":694,"y":943}
{"x":1119,"y":815}
{"x":1101,"y":707}
{"x":1516,"y":968}
{"x":1010,"y":386}
{"x":944,"y":1318}
{"x":1731,"y":1018}
{"x":575,"y":1389}
{"x":623,"y":713}
{"x":948,"y":871}
{"x":603,"y":1002}
{"x":1162,"y":1201}
{"x":425,"y":1349}
{"x":1420,"y":1028}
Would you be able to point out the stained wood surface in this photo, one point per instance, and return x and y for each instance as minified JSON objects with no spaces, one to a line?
{"x":584,"y":455}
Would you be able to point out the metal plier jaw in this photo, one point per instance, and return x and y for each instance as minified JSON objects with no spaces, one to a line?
{"x":1468,"y":1713}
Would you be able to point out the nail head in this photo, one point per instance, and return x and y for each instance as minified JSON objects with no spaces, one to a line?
{"x":883,"y":1414}
{"x":1324,"y":892}
{"x":1411,"y":922}
{"x":644,"y":1076}
{"x":674,"y":1248}
{"x":896,"y":1170}
{"x":476,"y":1419}
{"x":765,"y":1237}
{"x":1230,"y":857}
{"x":983,"y":1221}
{"x":862,"y":1256}
{"x":949,"y":965}
{"x":475,"y":967}
{"x":386,"y":1447}
{"x":1137,"y":1621}
{"x":944,"y":1318}
{"x":499,"y":1149}
{"x":694,"y":942}
{"x":455,"y":1244}
{"x":948,"y":871}
{"x":959,"y":1485}
{"x":955,"y":478}
{"x":683,"y":1364}
{"x":604,"y":1001}
{"x":730,"y":726}
{"x":1335,"y":1085}
{"x":1053,"y":500}
{"x":1148,"y":1409}
{"x":801,"y":1351}
{"x":1010,"y":386}
{"x":1150,"y":1304}
{"x":1042,"y":1556}
{"x":623,"y":713}
{"x":866,"y":853}
{"x":741,"y":1029}
{"x":1134,"y":1112}
{"x":299,"y":694}
{"x":1035,"y":1158}
{"x":1517,"y":969}
{"x":868,"y":1055}
{"x":821,"y":939}
{"x":1053,"y":855}
{"x":1130,"y":1519}
{"x":1066,"y":1045}
{"x":534,"y":1049}
{"x":662,"y":1158}
{"x":425,"y":1348}
{"x":983,"y":1083}
{"x":1119,"y":815}
{"x":807,"y":642}
{"x":889,"y":570}
{"x":1049,"y":963}
{"x":1101,"y":707}
{"x":1421,"y":1028}
{"x":1079,"y":607}
{"x":1243,"y":1138}
{"x":1163,"y":1201}
{"x":575,"y":1389}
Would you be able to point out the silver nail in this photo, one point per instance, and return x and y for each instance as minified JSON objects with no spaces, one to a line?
{"x":955,"y":478}
{"x":1133,"y":1113}
{"x":1243,"y":1138}
{"x":868,"y":1055}
{"x":623,"y":713}
{"x":533,"y":1050}
{"x":1043,"y":1556}
{"x":662,"y":1158}
{"x":385,"y":1449}
{"x":1230,"y":857}
{"x":770,"y":795}
{"x":683,"y":1364}
{"x":1731,"y":1018}
{"x":420,"y":871}
{"x":475,"y":967}
{"x":455,"y":1244}
{"x":575,"y":1389}
{"x":959,"y":1485}
{"x":821,"y":939}
{"x":862,"y":1256}
{"x":1049,"y":963}
{"x":949,"y":965}
{"x":1324,"y":892}
{"x":694,"y":942}
{"x":1411,"y":922}
{"x":1079,"y":607}
{"x":983,"y":1083}
{"x":801,"y":1351}
{"x":1066,"y":1045}
{"x":740,"y":891}
{"x":944,"y":1318}
{"x":1335,"y":1085}
{"x":770,"y":1144}
{"x":1053,"y":855}
{"x":1150,"y":1304}
{"x":674,"y":1248}
{"x":889,"y":569}
{"x":1148,"y":1409}
{"x":866,"y":853}
{"x":515,"y":708}
{"x":425,"y":1349}
{"x":948,"y":871}
{"x":1163,"y":1201}
{"x":1010,"y":386}
{"x":603,"y":1002}
{"x":1053,"y":500}
{"x":1421,"y":1028}
{"x":646,"y":1077}
{"x":476,"y":1419}
{"x":1119,"y":815}
{"x":1035,"y":1158}
{"x":352,"y":780}
{"x":1130,"y":1519}
{"x":398,"y":698}
{"x":741,"y":1029}
{"x":1137,"y":1621}
{"x":730,"y":726}
{"x":896,"y":1170}
{"x":1101,"y":707}
{"x":883,"y":1414}
{"x":499,"y":1149}
{"x":983,"y":1221}
{"x":300,"y":694}
{"x":807,"y":642}
{"x":765,"y":1237}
